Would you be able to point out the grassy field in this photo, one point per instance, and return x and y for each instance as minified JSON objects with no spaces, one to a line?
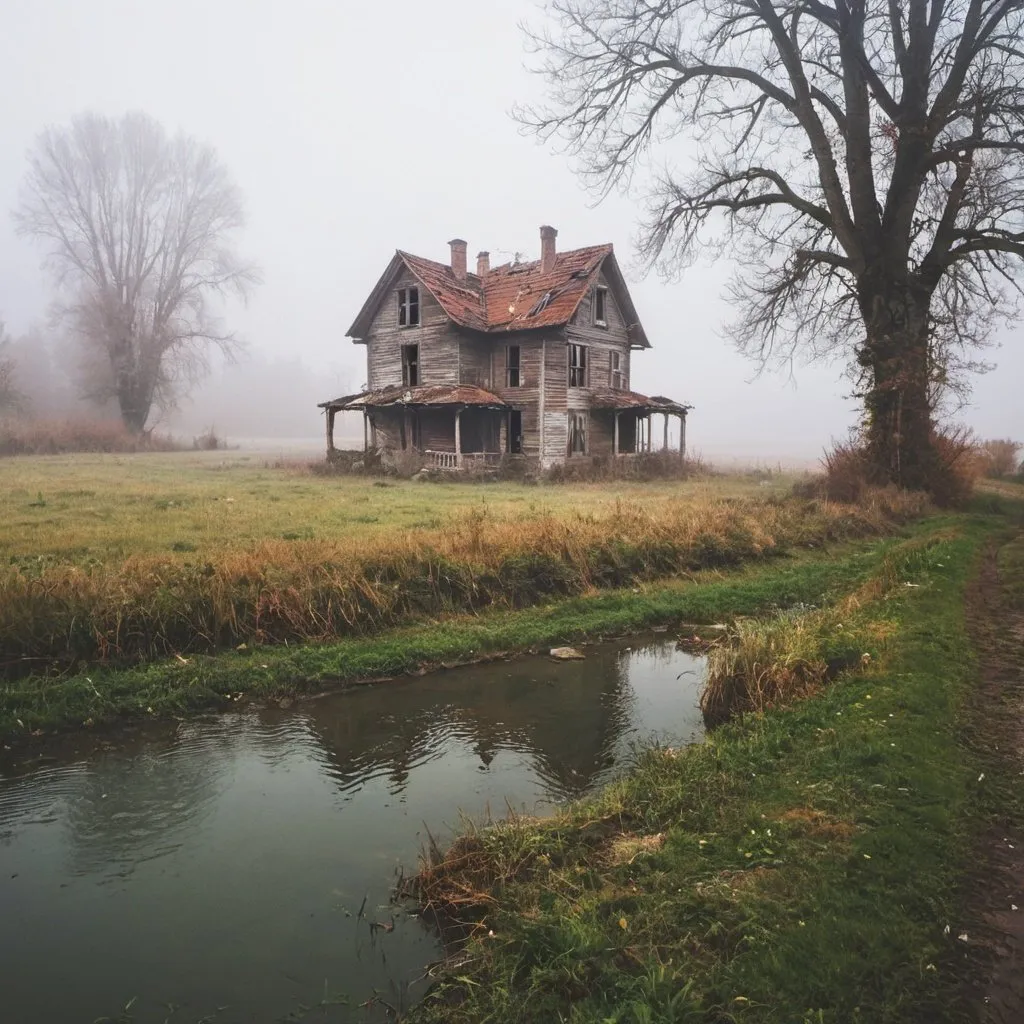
{"x":266,"y":556}
{"x":87,"y":508}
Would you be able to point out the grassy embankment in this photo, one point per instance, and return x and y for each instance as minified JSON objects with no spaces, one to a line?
{"x":74,"y":597}
{"x":804,"y":864}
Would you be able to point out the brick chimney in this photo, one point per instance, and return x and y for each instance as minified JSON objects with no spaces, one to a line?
{"x":483,"y":263}
{"x":547,"y":248}
{"x":458,"y":258}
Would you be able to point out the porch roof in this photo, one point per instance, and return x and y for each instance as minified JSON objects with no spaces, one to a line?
{"x":425,"y":394}
{"x":611,"y":398}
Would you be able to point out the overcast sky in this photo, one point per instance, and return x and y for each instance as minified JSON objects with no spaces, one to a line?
{"x":355,"y":128}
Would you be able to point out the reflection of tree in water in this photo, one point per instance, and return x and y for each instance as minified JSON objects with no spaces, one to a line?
{"x":569,"y":718}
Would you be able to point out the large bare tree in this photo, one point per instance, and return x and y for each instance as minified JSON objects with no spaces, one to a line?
{"x":862,"y":160}
{"x":138,"y":228}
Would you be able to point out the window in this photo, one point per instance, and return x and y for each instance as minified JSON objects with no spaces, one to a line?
{"x":601,"y":307}
{"x":408,"y":307}
{"x":515,"y":432}
{"x":512,"y":376}
{"x":616,"y":379}
{"x":410,"y":365}
{"x":577,"y":433}
{"x":577,"y":366}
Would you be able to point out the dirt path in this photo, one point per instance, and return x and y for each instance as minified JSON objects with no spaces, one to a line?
{"x":996,"y":919}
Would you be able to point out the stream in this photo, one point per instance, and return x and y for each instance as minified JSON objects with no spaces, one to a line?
{"x":235,"y":867}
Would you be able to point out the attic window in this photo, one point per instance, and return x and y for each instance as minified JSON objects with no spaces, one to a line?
{"x":408,"y":307}
{"x":601,"y":307}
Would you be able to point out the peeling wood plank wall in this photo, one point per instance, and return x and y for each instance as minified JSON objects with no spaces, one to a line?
{"x":438,"y":342}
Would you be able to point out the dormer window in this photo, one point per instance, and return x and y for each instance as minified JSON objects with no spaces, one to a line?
{"x":601,"y":307}
{"x":408,"y":307}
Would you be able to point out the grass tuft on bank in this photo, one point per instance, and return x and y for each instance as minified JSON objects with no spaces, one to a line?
{"x":802,"y":864}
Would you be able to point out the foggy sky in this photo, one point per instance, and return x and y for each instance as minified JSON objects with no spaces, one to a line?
{"x":355,"y":128}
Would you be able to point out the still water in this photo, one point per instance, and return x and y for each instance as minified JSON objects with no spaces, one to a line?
{"x":215,"y":870}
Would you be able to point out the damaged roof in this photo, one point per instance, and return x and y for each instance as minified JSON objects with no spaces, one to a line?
{"x":425,"y":394}
{"x":513,"y":296}
{"x":610,"y":398}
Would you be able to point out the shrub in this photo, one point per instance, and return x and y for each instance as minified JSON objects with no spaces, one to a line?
{"x":60,"y":437}
{"x":1001,"y":458}
{"x":848,"y":474}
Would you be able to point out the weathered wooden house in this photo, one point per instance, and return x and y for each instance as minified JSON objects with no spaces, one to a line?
{"x":524,"y":360}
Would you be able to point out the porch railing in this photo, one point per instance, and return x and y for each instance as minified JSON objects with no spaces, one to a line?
{"x":452,"y":460}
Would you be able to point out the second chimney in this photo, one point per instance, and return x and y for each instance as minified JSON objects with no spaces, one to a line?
{"x":458,"y":258}
{"x":547,"y":248}
{"x":483,"y":263}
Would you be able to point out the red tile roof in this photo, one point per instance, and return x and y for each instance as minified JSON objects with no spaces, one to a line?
{"x":612,"y":398}
{"x":425,"y":394}
{"x":513,"y":296}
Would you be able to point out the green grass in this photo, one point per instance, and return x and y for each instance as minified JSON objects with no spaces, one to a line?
{"x":96,"y":509}
{"x":175,"y":686}
{"x":800,"y":866}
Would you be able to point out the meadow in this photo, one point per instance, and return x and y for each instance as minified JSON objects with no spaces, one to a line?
{"x":88,"y":508}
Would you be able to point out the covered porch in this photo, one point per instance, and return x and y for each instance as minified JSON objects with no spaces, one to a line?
{"x":452,"y":427}
{"x":627,"y":423}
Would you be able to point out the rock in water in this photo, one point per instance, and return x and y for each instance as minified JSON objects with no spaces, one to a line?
{"x":567,"y":654}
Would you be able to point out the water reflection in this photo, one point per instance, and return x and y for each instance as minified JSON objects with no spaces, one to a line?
{"x":224,"y":863}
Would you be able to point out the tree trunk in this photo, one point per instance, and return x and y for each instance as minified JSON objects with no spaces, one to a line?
{"x":897,"y":400}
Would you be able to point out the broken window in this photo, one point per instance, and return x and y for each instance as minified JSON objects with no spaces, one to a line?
{"x":577,"y":433}
{"x":577,"y":366}
{"x":601,"y":307}
{"x":515,"y":432}
{"x":410,"y":365}
{"x":616,"y":371}
{"x":408,"y":307}
{"x":512,"y":376}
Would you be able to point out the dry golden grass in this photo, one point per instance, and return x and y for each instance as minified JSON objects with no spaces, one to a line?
{"x":238,"y":580}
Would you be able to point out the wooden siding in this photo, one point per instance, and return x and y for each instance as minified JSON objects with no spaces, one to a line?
{"x":526,"y":397}
{"x":437,"y":340}
{"x":601,"y":342}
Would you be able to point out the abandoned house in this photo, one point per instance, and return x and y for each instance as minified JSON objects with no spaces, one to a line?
{"x":525,"y":360}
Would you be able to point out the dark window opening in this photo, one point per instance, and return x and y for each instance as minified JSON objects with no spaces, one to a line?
{"x":515,"y":432}
{"x":417,"y":432}
{"x":410,"y":365}
{"x":577,"y":366}
{"x":601,"y":306}
{"x":577,"y":433}
{"x":408,"y":307}
{"x":512,"y":376}
{"x":616,"y":371}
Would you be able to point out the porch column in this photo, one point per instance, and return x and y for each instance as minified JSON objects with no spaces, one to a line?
{"x":682,"y":436}
{"x":648,"y":433}
{"x":373,"y":430}
{"x":664,"y":443}
{"x":366,"y":432}
{"x":615,"y":440}
{"x":330,"y":429}
{"x":458,"y":439}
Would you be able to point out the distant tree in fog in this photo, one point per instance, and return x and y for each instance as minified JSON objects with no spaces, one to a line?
{"x":138,"y":229}
{"x":10,"y":396}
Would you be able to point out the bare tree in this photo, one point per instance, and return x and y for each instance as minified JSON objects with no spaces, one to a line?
{"x":137,"y":227}
{"x":863,"y":161}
